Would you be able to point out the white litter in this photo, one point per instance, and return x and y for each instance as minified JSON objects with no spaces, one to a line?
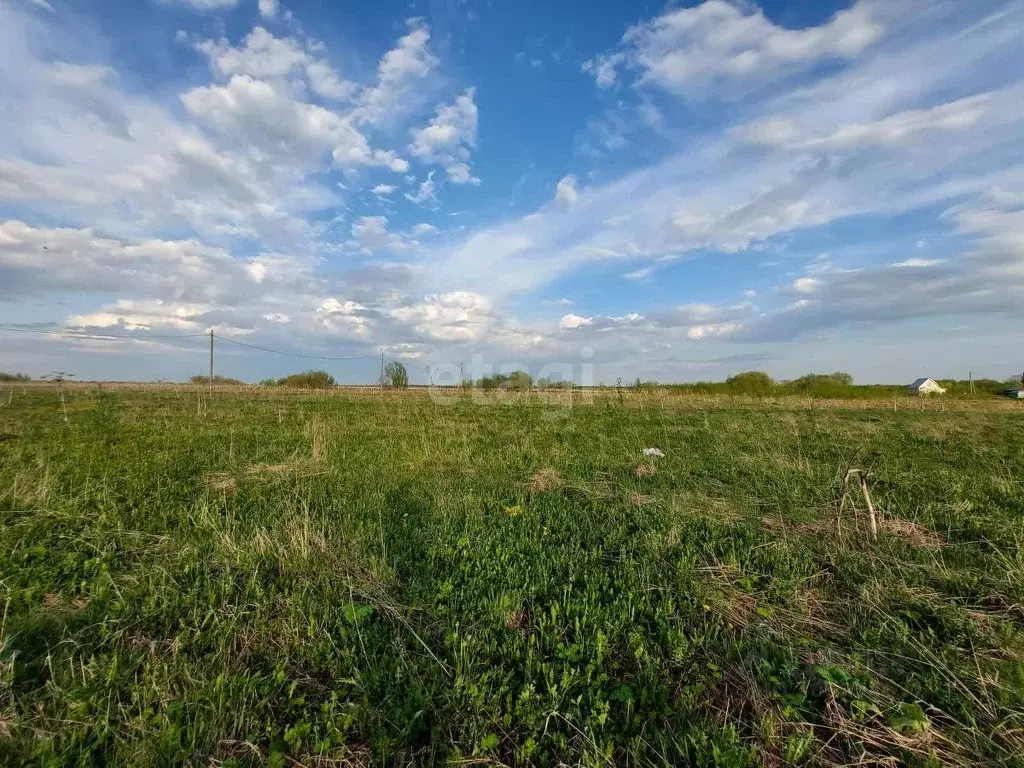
{"x":653,"y":452}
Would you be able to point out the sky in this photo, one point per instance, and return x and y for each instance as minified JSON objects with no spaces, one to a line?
{"x":602,"y":190}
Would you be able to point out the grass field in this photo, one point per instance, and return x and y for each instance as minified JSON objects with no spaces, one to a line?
{"x":358,"y":579}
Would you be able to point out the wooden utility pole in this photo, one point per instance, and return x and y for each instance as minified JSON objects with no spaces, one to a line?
{"x":382,"y":370}
{"x":211,"y":362}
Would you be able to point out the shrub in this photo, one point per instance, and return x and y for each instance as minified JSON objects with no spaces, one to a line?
{"x":226,"y":380}
{"x":750,"y":383}
{"x":308,"y":380}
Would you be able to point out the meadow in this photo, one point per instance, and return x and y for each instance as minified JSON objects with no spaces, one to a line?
{"x":357,"y":578}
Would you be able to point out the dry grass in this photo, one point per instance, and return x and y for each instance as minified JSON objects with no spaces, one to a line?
{"x":222,"y":482}
{"x":913,"y":532}
{"x":545,"y":480}
{"x":271,"y":469}
{"x":645,"y":470}
{"x":56,"y":604}
{"x":520,"y":621}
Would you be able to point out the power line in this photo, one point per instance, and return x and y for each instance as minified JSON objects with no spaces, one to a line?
{"x":295,"y":354}
{"x":70,"y":334}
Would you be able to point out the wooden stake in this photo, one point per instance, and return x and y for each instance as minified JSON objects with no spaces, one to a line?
{"x":871,"y":507}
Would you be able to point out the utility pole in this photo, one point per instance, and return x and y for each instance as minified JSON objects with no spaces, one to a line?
{"x":382,"y":370}
{"x":970,"y":381}
{"x":211,"y":362}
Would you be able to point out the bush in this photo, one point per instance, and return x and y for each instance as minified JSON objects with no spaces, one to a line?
{"x":226,"y":380}
{"x":750,"y":383}
{"x":308,"y":380}
{"x":15,"y":377}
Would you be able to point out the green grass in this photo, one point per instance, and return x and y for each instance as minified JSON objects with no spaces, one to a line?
{"x":284,"y":579}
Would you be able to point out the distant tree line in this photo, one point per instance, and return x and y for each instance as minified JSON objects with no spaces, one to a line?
{"x":835,"y":385}
{"x":10,"y":377}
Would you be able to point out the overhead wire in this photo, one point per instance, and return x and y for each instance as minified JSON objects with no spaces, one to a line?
{"x":296,"y":354}
{"x":71,"y":334}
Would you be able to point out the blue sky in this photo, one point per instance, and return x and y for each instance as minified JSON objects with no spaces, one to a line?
{"x":673,"y":192}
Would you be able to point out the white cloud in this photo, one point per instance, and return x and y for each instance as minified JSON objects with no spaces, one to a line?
{"x":806,"y":285}
{"x":371,"y":234}
{"x":425,"y":192}
{"x":383,"y":189}
{"x":325,"y":82}
{"x":135,"y":315}
{"x":918,"y":263}
{"x":958,"y":115}
{"x":423,"y":229}
{"x":449,"y":137}
{"x":603,"y":68}
{"x":639,"y":274}
{"x":459,"y":173}
{"x":572,"y":322}
{"x":268,"y":117}
{"x":268,"y":8}
{"x":345,"y":318}
{"x":699,"y":51}
{"x":453,"y":316}
{"x":44,"y":4}
{"x":264,"y":56}
{"x":397,"y":74}
{"x":565,"y":192}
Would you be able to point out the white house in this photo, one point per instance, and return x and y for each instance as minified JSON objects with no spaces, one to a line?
{"x":926,"y":387}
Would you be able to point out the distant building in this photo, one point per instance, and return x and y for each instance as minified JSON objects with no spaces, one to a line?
{"x":926,"y":387}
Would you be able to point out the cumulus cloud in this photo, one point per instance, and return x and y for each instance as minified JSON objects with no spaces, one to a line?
{"x":449,"y":138}
{"x":264,"y":56}
{"x":398,"y":72}
{"x":370,"y":233}
{"x":270,"y":118}
{"x":453,"y":316}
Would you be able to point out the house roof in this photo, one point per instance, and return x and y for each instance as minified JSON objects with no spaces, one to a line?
{"x":920,"y":382}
